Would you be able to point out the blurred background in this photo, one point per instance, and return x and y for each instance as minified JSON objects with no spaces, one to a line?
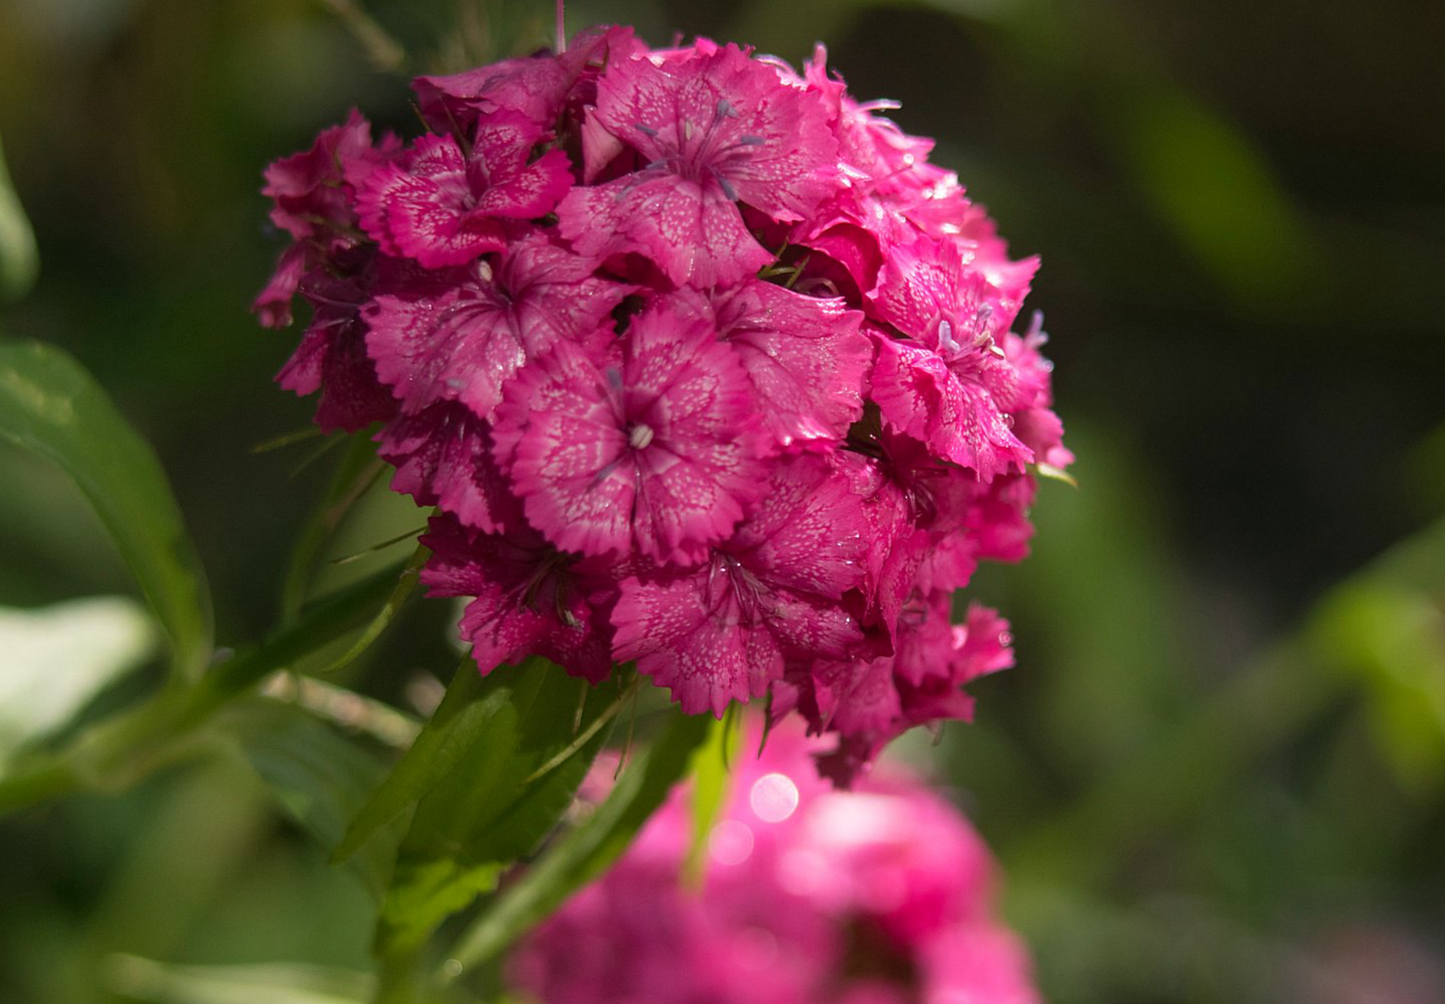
{"x":1217,"y":773}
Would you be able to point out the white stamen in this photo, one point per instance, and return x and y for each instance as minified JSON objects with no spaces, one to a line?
{"x":945,"y":336}
{"x":640,"y":437}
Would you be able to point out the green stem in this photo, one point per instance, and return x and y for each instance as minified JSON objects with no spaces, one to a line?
{"x":385,"y":53}
{"x":398,"y":978}
{"x":43,"y":784}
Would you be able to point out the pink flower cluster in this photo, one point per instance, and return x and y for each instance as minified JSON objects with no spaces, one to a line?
{"x":702,"y":363}
{"x":877,"y":896}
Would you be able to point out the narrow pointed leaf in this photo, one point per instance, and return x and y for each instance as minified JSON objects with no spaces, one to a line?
{"x":585,"y":852}
{"x":711,"y":772}
{"x":495,"y":803}
{"x":399,"y":594}
{"x":356,"y":472}
{"x":455,"y":727}
{"x":322,"y":623}
{"x":50,"y":405}
{"x":320,"y":775}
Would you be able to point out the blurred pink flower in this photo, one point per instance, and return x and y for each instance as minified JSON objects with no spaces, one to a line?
{"x":884,"y":894}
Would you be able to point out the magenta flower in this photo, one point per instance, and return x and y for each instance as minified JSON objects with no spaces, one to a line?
{"x":443,"y":457}
{"x":463,"y":335}
{"x":442,"y":206}
{"x":950,"y":385}
{"x":810,"y":896}
{"x":704,"y":365}
{"x":537,"y":87}
{"x":869,"y":704}
{"x":332,"y":355}
{"x":712,"y":129}
{"x":313,"y":193}
{"x":526,"y":599}
{"x":651,"y":446}
{"x":777,"y":590}
{"x":805,"y":355}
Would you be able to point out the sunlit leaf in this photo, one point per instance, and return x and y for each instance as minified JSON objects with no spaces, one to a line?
{"x":50,"y":405}
{"x":584,"y":852}
{"x":57,"y":658}
{"x":118,"y":752}
{"x":455,"y":726}
{"x":276,"y":983}
{"x":1056,"y":474}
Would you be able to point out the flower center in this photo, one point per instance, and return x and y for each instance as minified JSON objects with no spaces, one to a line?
{"x":696,"y":153}
{"x":639,"y":436}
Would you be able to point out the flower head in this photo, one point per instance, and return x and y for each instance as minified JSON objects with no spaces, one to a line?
{"x":703,"y":364}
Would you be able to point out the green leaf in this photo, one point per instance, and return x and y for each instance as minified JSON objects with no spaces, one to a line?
{"x":275,"y":983}
{"x":115,"y":754}
{"x":357,"y":471}
{"x":455,"y":727}
{"x":58,"y":657}
{"x":586,"y":851}
{"x":502,"y":789}
{"x":322,"y":623}
{"x":320,"y":775}
{"x":405,"y":583}
{"x":711,"y":771}
{"x":19,"y":262}
{"x":50,"y":405}
{"x":1392,"y":639}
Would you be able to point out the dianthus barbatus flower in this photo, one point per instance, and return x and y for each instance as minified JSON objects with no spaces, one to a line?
{"x":703,"y":364}
{"x":710,"y":128}
{"x":809,"y":896}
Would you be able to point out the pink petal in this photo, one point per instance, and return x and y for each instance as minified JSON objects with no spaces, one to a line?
{"x":463,"y":336}
{"x":534,"y":86}
{"x":692,"y":231}
{"x":809,"y":533}
{"x":443,"y":458}
{"x":806,"y":357}
{"x":656,"y":450}
{"x":332,"y":354}
{"x":310,"y":191}
{"x":525,"y":603}
{"x":273,"y":305}
{"x":727,"y":116}
{"x":920,"y":396}
{"x":703,"y":651}
{"x":530,"y":192}
{"x":443,"y":208}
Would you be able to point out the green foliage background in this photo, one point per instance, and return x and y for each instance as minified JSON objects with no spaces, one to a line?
{"x":1218,"y":773}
